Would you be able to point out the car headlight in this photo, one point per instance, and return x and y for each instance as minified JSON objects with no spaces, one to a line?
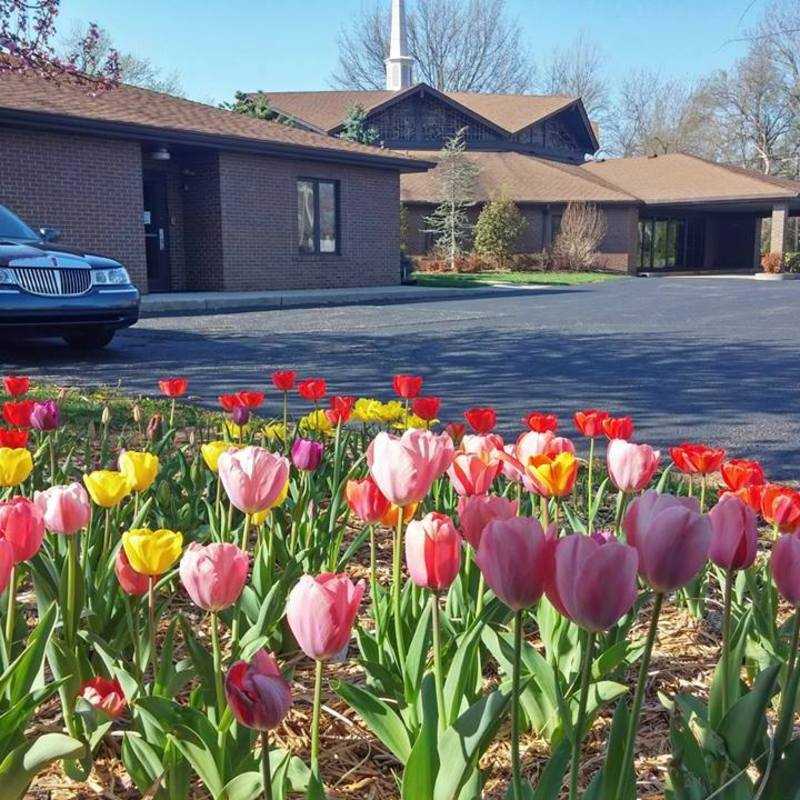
{"x":7,"y":277}
{"x":110,"y":277}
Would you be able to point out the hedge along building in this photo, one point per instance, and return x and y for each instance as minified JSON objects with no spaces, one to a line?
{"x":192,"y":197}
{"x":669,"y":212}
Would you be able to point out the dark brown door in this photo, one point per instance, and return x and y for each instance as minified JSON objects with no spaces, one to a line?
{"x":156,"y":231}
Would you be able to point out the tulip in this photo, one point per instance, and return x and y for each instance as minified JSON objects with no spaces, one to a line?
{"x":104,"y":695}
{"x":283,"y":380}
{"x":481,"y":420}
{"x":66,"y":509}
{"x":433,"y":552}
{"x":618,"y":428}
{"x":250,"y":400}
{"x":152,"y":553}
{"x":533,"y":443}
{"x":394,"y":514}
{"x":22,"y":526}
{"x":477,"y":511}
{"x":211,"y":451}
{"x":140,"y":469}
{"x":214,"y":575}
{"x":131,"y":581}
{"x":229,"y":401}
{"x":739,"y":473}
{"x":16,"y":464}
{"x":18,"y":415}
{"x":16,"y":385}
{"x":107,"y":488}
{"x":312,"y":389}
{"x":560,"y":444}
{"x":540,"y":422}
{"x":341,"y":408}
{"x":253,"y":477}
{"x":697,"y":459}
{"x":320,"y":612}
{"x":14,"y":439}
{"x":173,"y":387}
{"x":6,"y":564}
{"x":307,"y":454}
{"x":631,"y":466}
{"x":366,"y":500}
{"x":45,"y":416}
{"x":590,"y":422}
{"x":154,"y":427}
{"x":472,"y":474}
{"x":551,"y":476}
{"x":484,"y":445}
{"x":751,"y":496}
{"x":240,"y":416}
{"x":258,"y":694}
{"x":455,"y":430}
{"x":780,"y":506}
{"x":426,"y":408}
{"x":407,"y":386}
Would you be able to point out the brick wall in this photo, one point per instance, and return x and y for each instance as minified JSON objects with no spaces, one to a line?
{"x":89,"y":187}
{"x":259,"y":225}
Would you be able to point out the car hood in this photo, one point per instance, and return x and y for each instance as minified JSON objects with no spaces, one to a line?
{"x":10,"y":250}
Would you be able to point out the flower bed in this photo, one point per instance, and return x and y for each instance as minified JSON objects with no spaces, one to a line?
{"x":347,"y":599}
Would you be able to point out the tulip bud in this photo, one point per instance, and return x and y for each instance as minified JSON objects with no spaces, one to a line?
{"x":734,"y":534}
{"x":62,"y":394}
{"x":785,"y":566}
{"x":240,"y":415}
{"x":105,"y":417}
{"x":307,"y":454}
{"x":104,"y":695}
{"x":433,"y":552}
{"x":154,"y":427}
{"x":136,"y":411}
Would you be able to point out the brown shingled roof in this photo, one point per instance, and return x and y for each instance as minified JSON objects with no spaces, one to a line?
{"x":681,"y":178}
{"x":30,"y":95}
{"x":525,"y":179}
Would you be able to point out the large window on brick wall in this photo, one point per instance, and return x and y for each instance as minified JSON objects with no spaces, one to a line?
{"x":318,"y":216}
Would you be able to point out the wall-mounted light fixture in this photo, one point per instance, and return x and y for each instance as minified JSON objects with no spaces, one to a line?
{"x":160,"y":154}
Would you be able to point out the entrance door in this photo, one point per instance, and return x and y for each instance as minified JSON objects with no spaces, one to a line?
{"x":156,"y":232}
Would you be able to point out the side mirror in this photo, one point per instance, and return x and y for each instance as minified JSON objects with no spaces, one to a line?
{"x":50,"y":234}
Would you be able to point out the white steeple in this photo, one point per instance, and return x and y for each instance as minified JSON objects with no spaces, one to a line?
{"x":399,"y":64}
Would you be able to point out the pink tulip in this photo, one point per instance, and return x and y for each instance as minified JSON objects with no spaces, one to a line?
{"x":532,"y":443}
{"x":631,"y":466}
{"x":734,"y":533}
{"x":671,"y":537}
{"x":131,"y":581}
{"x":471,"y":474}
{"x":593,"y":581}
{"x":560,"y":444}
{"x":253,"y":478}
{"x":513,"y":556}
{"x":508,"y":468}
{"x":476,"y":512}
{"x":66,"y":509}
{"x":405,"y":467}
{"x":22,"y":526}
{"x":321,"y":611}
{"x":214,"y":575}
{"x":257,"y":693}
{"x":785,"y":565}
{"x":484,"y":445}
{"x":6,"y":564}
{"x":433,"y":552}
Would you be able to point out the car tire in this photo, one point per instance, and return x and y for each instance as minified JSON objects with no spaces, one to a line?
{"x":90,"y":338}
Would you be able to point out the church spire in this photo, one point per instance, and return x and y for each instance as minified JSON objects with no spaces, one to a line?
{"x":399,"y":63}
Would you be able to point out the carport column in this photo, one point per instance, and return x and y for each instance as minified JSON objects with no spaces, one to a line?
{"x":780,"y":220}
{"x":757,"y":244}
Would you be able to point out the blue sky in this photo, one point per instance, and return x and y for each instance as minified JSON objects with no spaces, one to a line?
{"x":218,"y":47}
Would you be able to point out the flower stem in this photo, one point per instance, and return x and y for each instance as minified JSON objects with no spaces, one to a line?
{"x":266,"y":778}
{"x":437,"y":661}
{"x":11,"y":612}
{"x":71,"y":613}
{"x":151,"y":615}
{"x":789,"y":694}
{"x":396,"y":576}
{"x":107,"y":533}
{"x":516,"y":773}
{"x":315,"y":719}
{"x":586,"y":669}
{"x":220,"y":693}
{"x":589,"y":486}
{"x":373,"y":577}
{"x":726,"y":641}
{"x":638,"y":697}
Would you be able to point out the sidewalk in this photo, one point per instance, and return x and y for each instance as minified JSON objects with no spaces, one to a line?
{"x":201,"y":303}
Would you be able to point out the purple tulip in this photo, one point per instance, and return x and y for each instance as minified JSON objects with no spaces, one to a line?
{"x":307,"y":454}
{"x":734,"y":534}
{"x":240,"y":415}
{"x":45,"y":416}
{"x":785,"y":565}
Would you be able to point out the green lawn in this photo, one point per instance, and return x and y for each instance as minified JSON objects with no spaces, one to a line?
{"x":458,"y":280}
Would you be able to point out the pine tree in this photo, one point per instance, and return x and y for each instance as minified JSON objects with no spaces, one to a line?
{"x":498,"y":228}
{"x":355,"y":128}
{"x":450,"y":223}
{"x":256,"y":105}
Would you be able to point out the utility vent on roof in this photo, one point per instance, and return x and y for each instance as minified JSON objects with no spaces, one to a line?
{"x":653,"y":155}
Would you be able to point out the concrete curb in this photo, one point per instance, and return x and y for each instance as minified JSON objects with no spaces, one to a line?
{"x":202,"y":304}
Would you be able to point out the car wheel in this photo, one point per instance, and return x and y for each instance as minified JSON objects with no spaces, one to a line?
{"x":90,"y":338}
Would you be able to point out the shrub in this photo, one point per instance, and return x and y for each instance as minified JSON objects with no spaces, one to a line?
{"x":792,"y":262}
{"x":583,"y":227}
{"x":498,"y":229}
{"x":772,"y":262}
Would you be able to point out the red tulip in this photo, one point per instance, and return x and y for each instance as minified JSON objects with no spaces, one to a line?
{"x":514,"y":558}
{"x":366,"y":500}
{"x":257,"y":693}
{"x":751,"y":496}
{"x":739,"y":473}
{"x":697,"y":459}
{"x":471,"y":474}
{"x":18,"y":415}
{"x":341,"y":407}
{"x":590,"y":421}
{"x":283,"y":380}
{"x":433,"y":551}
{"x":477,"y":511}
{"x":785,"y":566}
{"x":618,"y":428}
{"x":16,"y":385}
{"x":671,"y":537}
{"x":251,"y":400}
{"x":6,"y":564}
{"x":312,"y":389}
{"x":593,"y":580}
{"x":173,"y":387}
{"x":426,"y":408}
{"x":540,"y":422}
{"x":780,"y":506}
{"x":22,"y":526}
{"x":229,"y":401}
{"x":481,"y":420}
{"x":131,"y":581}
{"x":455,"y":430}
{"x":321,"y":611}
{"x":104,"y":695}
{"x":407,"y":386}
{"x":734,"y":534}
{"x":15,"y":439}
{"x":631,"y":466}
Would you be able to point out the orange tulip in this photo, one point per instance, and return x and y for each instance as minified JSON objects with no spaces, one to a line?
{"x":389,"y":519}
{"x":551,"y":476}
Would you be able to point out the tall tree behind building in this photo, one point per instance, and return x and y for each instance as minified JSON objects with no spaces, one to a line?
{"x":457,"y":45}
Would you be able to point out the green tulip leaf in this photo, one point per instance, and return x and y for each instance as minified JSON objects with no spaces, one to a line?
{"x":24,"y":763}
{"x":419,"y":777}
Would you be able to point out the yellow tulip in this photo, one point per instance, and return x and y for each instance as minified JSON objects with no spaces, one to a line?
{"x":15,"y":465}
{"x":413,"y":421}
{"x":316,"y":422}
{"x":392,"y":411}
{"x":276,"y":432}
{"x":553,"y":476}
{"x":213,"y":450}
{"x":259,"y":517}
{"x":152,"y":552}
{"x":139,"y":468}
{"x":106,"y":487}
{"x":366,"y":409}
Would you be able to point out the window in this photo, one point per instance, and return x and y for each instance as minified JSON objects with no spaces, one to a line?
{"x":317,"y":216}
{"x":669,"y":243}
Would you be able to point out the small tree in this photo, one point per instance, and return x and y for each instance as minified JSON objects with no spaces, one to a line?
{"x":450,"y":223}
{"x":256,"y":105}
{"x":498,"y":229}
{"x":355,"y":128}
{"x":583,"y":227}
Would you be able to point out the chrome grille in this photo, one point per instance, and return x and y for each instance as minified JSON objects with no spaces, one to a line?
{"x":53,"y":282}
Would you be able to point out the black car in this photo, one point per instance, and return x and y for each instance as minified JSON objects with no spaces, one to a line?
{"x":59,"y":291}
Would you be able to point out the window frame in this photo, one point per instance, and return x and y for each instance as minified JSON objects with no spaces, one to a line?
{"x":317,"y":251}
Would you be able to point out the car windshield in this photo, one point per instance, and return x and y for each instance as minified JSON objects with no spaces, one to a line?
{"x":12,"y":227}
